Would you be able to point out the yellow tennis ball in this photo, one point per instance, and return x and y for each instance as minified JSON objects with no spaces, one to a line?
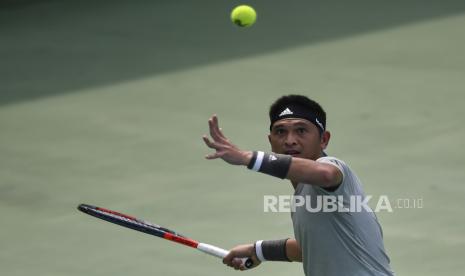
{"x":243,"y":16}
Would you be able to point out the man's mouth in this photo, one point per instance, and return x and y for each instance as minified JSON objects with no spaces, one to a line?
{"x":292,"y":152}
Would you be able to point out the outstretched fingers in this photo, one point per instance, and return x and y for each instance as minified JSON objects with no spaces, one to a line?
{"x":209,"y":143}
{"x":217,"y":127}
{"x":215,"y":132}
{"x":214,"y":155}
{"x":215,"y":146}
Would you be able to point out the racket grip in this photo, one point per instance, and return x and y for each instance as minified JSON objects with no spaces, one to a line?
{"x":248,"y":262}
{"x":221,"y":253}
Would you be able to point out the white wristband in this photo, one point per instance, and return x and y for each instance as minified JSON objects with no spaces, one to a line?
{"x":258,"y":251}
{"x":258,"y":161}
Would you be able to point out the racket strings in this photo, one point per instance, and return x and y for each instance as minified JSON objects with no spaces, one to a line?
{"x":121,"y":218}
{"x":136,"y":222}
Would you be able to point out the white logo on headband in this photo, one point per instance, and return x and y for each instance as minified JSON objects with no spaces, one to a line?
{"x":318,"y":122}
{"x":286,"y":111}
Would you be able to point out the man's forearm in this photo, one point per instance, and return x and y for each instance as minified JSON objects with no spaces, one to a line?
{"x":283,"y":250}
{"x":310,"y":171}
{"x":293,"y":251}
{"x":298,"y":170}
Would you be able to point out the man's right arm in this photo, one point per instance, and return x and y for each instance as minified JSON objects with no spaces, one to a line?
{"x":293,"y":251}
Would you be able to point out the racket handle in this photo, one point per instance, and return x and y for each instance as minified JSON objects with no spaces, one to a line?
{"x":221,"y":253}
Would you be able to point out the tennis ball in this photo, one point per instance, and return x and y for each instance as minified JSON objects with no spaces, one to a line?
{"x":243,"y":16}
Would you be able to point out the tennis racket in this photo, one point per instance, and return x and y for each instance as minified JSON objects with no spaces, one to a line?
{"x":156,"y":230}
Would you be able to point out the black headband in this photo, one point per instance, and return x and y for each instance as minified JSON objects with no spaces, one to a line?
{"x":297,"y":111}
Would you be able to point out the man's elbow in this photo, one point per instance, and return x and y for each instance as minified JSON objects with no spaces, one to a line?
{"x":330,"y":176}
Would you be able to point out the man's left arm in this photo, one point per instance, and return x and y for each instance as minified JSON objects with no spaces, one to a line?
{"x":298,"y":170}
{"x":316,"y":173}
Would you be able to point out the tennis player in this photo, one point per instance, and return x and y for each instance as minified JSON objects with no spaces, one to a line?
{"x":332,"y":243}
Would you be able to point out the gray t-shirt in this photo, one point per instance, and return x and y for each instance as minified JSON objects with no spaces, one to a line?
{"x":338,"y":243}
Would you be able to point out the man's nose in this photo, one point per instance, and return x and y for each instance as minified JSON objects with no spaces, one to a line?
{"x":290,"y":140}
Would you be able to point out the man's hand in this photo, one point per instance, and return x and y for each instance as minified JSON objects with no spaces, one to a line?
{"x":224,"y":149}
{"x":241,"y":251}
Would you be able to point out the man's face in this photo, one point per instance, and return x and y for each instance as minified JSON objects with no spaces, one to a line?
{"x":297,"y":137}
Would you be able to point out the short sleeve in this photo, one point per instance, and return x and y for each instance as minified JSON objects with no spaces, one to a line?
{"x":335,"y":162}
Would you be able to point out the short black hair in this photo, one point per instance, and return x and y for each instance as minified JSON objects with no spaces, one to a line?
{"x":300,"y":100}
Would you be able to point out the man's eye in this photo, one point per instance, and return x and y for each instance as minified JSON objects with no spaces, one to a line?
{"x":301,"y":130}
{"x":279,"y":131}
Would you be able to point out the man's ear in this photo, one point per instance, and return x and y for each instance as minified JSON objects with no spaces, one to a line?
{"x":269,"y":138}
{"x":325,"y":139}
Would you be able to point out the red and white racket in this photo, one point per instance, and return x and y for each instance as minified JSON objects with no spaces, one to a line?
{"x":156,"y":230}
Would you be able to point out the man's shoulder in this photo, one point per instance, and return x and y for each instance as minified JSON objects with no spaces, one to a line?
{"x":332,"y":160}
{"x":347,"y":173}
